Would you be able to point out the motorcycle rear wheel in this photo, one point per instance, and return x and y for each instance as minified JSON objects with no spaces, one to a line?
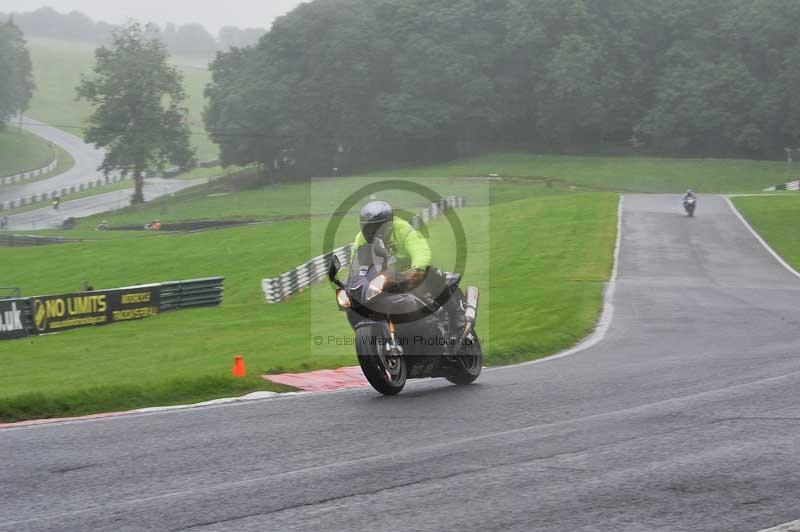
{"x":386,"y":374}
{"x":469,"y":363}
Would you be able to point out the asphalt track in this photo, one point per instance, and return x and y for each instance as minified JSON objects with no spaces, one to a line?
{"x":87,"y":160}
{"x":50,"y":218}
{"x":684,"y":417}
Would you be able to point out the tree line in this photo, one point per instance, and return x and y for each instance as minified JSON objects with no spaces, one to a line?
{"x":353,"y":83}
{"x":16,"y":76}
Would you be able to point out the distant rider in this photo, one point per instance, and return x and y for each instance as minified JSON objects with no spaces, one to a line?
{"x":689,"y":195}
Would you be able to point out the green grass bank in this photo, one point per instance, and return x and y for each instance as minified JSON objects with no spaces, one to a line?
{"x":537,"y":304}
{"x":777,"y":219}
{"x":22,"y":151}
{"x":628,"y":174}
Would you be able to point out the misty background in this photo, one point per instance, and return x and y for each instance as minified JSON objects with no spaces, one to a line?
{"x":239,"y":13}
{"x":357,"y":84}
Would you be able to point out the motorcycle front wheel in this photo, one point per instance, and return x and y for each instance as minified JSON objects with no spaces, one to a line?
{"x":387,"y":374}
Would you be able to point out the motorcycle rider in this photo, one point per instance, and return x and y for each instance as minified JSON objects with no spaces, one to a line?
{"x":412,"y":254}
{"x":689,"y":195}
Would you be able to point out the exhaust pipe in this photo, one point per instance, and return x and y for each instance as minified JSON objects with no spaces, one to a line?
{"x":471,"y":312}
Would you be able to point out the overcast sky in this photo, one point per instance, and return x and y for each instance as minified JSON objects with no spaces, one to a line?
{"x":213,"y":15}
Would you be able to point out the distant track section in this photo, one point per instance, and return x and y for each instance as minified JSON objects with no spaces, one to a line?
{"x":87,"y":160}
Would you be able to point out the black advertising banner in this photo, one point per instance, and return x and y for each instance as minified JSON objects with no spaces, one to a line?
{"x":135,"y":303}
{"x":11,"y":324}
{"x":62,"y":312}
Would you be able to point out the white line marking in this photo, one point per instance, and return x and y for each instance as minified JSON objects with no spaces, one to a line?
{"x":255,"y":396}
{"x":761,"y":240}
{"x":794,"y":526}
{"x":603,"y":324}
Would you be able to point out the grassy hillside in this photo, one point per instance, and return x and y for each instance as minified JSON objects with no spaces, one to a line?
{"x":632,"y":174}
{"x":535,"y":304}
{"x":522,"y":173}
{"x":242,"y":199}
{"x":57,"y":68}
{"x":21,"y":151}
{"x":777,"y":219}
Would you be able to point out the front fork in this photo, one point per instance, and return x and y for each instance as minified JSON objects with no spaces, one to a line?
{"x":393,"y":349}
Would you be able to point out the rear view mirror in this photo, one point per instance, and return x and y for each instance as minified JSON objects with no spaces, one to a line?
{"x":334,"y":268}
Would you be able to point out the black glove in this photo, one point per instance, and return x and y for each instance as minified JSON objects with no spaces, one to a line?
{"x":414,"y":278}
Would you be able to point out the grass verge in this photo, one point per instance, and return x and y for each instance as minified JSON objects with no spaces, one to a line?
{"x":537,"y":304}
{"x":634,"y":174}
{"x":244,"y":197}
{"x":777,"y":219}
{"x":22,"y":151}
{"x":113,"y":398}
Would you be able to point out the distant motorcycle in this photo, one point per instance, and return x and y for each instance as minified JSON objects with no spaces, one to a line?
{"x":399,"y":333}
{"x":690,"y":204}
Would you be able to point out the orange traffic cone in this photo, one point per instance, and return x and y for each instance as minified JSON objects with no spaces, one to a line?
{"x":238,"y":367}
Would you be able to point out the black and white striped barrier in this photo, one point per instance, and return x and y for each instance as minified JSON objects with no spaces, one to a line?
{"x":24,"y":176}
{"x":436,"y":210}
{"x":298,"y":279}
{"x":39,"y":198}
{"x":792,"y":185}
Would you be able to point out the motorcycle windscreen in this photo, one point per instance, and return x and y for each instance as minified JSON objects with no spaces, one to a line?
{"x":404,"y":306}
{"x":364,"y":267}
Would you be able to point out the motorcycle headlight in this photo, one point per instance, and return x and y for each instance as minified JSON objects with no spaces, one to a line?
{"x":343,"y":299}
{"x":375,"y":287}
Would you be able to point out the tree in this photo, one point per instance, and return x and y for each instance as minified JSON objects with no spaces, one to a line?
{"x":139,"y":114}
{"x":16,"y":83}
{"x":354,"y":83}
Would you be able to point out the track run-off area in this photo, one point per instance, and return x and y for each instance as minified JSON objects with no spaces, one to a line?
{"x":682,"y":414}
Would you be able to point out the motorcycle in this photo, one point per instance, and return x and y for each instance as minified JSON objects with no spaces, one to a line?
{"x":401,"y":331}
{"x":690,"y":204}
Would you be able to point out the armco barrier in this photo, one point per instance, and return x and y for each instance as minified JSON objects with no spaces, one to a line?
{"x":94,"y":183}
{"x":206,"y":292}
{"x":298,"y":279}
{"x":80,"y":187}
{"x":24,"y":176}
{"x":56,"y":313}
